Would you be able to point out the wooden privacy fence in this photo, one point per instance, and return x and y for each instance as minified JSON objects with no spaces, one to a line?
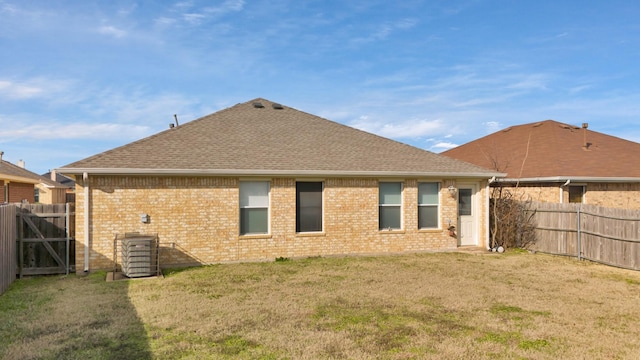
{"x":7,"y":246}
{"x":605,"y":235}
{"x":45,"y":239}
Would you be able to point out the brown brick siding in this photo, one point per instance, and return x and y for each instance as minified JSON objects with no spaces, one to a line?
{"x":197,"y":220}
{"x":21,"y":191}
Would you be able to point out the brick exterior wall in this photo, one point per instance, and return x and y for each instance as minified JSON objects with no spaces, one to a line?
{"x":197,"y":219}
{"x":612,"y":195}
{"x":21,"y":191}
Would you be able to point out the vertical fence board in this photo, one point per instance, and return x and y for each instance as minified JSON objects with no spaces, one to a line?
{"x":46,"y":238}
{"x":8,"y":260}
{"x":609,"y":236}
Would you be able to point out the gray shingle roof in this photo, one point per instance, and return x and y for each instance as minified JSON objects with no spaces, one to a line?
{"x":245,"y":139}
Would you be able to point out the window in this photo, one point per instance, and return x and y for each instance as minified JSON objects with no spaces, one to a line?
{"x":390,"y":210}
{"x":308,"y":206}
{"x":428,"y":205}
{"x":36,"y":195}
{"x":575,"y":194}
{"x":254,"y":207}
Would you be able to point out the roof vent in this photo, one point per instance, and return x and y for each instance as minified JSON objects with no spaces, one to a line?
{"x":585,"y":144}
{"x":258,"y":105}
{"x":277,"y":106}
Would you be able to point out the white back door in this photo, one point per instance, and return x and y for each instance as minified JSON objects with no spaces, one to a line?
{"x":467,"y":234}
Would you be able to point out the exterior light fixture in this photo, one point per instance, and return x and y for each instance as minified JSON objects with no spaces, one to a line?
{"x":452,"y":190}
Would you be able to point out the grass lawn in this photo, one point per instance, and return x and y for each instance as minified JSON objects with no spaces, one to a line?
{"x":444,"y":305}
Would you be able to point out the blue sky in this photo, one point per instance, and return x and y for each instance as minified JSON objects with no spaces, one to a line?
{"x":81,"y":77}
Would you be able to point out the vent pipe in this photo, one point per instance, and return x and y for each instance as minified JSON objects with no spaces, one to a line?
{"x":175,"y":116}
{"x":585,"y":144}
{"x":21,"y":163}
{"x":1,"y":153}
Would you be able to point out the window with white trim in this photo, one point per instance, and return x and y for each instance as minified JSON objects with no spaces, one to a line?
{"x":390,"y":206}
{"x":254,"y":207}
{"x":428,"y":200}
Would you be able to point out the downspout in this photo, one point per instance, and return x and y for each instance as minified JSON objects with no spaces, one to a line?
{"x":562,"y":190}
{"x":488,"y":212}
{"x":85,"y":180}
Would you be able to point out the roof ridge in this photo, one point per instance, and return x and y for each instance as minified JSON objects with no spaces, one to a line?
{"x":245,"y":137}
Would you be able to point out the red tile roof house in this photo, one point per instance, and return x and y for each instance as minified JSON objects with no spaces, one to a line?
{"x":18,"y":185}
{"x":554,"y":162}
{"x":259,"y":180}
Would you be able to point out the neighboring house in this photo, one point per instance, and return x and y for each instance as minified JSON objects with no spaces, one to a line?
{"x":20,"y":185}
{"x":68,"y":183}
{"x":16,"y":183}
{"x":259,"y":180}
{"x":51,"y":192}
{"x":550,"y":161}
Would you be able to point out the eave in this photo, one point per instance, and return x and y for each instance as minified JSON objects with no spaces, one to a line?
{"x":571,"y":179}
{"x":19,"y":179}
{"x":261,"y":172}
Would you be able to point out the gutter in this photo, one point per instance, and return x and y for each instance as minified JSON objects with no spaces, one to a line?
{"x":261,"y":172}
{"x":85,"y":180}
{"x":571,"y":179}
{"x":19,"y":179}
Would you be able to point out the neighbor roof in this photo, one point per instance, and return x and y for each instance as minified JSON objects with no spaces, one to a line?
{"x":550,"y":150}
{"x":11,"y":172}
{"x":260,"y":137}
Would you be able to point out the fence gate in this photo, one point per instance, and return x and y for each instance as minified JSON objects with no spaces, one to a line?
{"x":45,"y":239}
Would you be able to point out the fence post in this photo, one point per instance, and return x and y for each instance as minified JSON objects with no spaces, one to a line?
{"x":579,"y":233}
{"x":66,"y":226}
{"x":21,"y":242}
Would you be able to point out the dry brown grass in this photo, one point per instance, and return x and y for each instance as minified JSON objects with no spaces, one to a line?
{"x":445,"y":305}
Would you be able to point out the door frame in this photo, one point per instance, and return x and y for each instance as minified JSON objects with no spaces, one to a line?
{"x":475,"y":211}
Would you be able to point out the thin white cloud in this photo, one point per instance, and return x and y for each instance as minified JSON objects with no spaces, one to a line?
{"x":491,"y":126}
{"x":6,"y":8}
{"x":397,"y":130}
{"x":193,"y":18}
{"x":112,"y":31}
{"x":165,"y":21}
{"x":196,"y":16}
{"x":82,"y":131}
{"x":183,"y":4}
{"x":529,"y":82}
{"x":18,"y":91}
{"x":49,"y":89}
{"x":384,"y":30}
{"x":442,"y":146}
{"x":580,"y":88}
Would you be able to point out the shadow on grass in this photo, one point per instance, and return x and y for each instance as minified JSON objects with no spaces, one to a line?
{"x":71,"y":317}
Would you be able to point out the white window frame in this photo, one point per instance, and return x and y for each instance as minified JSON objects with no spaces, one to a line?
{"x":436,"y":205}
{"x":400,"y":205}
{"x":243,"y":205}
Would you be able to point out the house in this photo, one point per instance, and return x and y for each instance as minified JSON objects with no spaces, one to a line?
{"x":260,"y":180}
{"x":549,"y":161}
{"x":68,"y":183}
{"x":20,"y":185}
